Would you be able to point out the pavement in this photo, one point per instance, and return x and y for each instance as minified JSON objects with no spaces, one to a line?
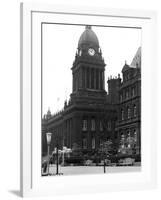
{"x":76,"y":170}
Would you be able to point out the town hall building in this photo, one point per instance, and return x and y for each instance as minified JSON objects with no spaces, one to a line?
{"x":93,"y":115}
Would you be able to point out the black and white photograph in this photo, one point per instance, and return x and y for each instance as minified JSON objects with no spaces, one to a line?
{"x":91,"y":99}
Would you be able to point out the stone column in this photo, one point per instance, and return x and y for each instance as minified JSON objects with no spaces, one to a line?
{"x":99,"y":79}
{"x":103,"y":80}
{"x":81,"y":77}
{"x":85,"y":78}
{"x":90,"y":77}
{"x":94,"y":78}
{"x":70,"y":132}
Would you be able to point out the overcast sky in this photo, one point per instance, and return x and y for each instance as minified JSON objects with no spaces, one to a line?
{"x":59,"y":47}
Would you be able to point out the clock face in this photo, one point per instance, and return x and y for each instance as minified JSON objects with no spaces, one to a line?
{"x":91,"y":52}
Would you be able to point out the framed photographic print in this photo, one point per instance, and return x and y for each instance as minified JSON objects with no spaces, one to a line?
{"x":87,"y":88}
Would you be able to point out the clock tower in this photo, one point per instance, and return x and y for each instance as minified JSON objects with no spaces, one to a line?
{"x":88,"y":68}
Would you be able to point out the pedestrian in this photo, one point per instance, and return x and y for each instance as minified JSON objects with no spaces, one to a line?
{"x":45,"y":167}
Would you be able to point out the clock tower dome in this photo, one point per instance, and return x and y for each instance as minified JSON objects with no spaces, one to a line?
{"x":88,"y":67}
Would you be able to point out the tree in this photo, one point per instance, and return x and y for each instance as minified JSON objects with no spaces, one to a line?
{"x":76,"y":147}
{"x":127,"y":144}
{"x":104,"y":151}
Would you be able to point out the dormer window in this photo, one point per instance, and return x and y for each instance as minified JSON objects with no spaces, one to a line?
{"x":128,"y":76}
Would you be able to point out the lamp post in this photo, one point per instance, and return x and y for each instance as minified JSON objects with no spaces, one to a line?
{"x":57,"y":160}
{"x":48,"y":137}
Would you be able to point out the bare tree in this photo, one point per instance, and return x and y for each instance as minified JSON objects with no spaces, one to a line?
{"x":104,"y":151}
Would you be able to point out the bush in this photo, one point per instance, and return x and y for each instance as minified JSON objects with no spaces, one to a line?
{"x":74,"y":160}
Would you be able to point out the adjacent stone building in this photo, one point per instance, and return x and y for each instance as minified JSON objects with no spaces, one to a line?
{"x":92,"y":115}
{"x":129,"y":115}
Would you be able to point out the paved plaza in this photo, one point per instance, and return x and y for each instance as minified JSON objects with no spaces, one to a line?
{"x":76,"y":170}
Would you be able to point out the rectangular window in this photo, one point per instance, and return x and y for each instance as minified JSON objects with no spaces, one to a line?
{"x":93,"y":143}
{"x":109,"y":125}
{"x":129,"y":138}
{"x":120,"y":97}
{"x":122,"y":140}
{"x":135,"y":136}
{"x":101,"y":126}
{"x":93,"y":125}
{"x":133,"y":92}
{"x":101,"y":142}
{"x":135,"y":111}
{"x":127,"y":94}
{"x":84,"y":125}
{"x":122,"y":115}
{"x":84,"y":143}
{"x":128,"y":113}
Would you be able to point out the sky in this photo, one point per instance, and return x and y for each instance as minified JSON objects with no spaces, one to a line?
{"x":60,"y":43}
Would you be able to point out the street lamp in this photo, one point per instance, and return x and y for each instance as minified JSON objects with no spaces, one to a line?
{"x":48,"y":137}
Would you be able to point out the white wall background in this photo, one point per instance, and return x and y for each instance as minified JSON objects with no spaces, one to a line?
{"x":9,"y":100}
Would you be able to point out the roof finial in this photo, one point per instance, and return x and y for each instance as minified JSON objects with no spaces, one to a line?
{"x":88,"y":26}
{"x":48,"y":112}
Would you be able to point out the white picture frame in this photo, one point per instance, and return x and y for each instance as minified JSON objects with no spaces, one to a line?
{"x":32,"y":16}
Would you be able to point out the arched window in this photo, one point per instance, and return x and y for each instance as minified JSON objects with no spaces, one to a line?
{"x":135,"y":111}
{"x":122,"y":141}
{"x":93,"y":125}
{"x":122,"y":114}
{"x":84,"y":125}
{"x":128,"y":112}
{"x":135,"y":136}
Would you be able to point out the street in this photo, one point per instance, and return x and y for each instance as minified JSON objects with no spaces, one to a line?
{"x":76,"y":170}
